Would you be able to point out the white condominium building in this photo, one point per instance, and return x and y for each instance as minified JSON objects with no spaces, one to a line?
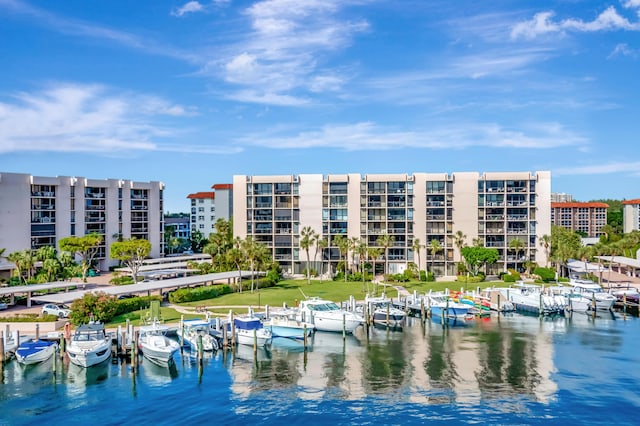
{"x":631,"y":215}
{"x":491,"y":209}
{"x":38,"y":211}
{"x":208,"y":207}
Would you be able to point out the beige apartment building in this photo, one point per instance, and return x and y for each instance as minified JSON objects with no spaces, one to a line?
{"x":631,"y":215}
{"x":587,"y":218}
{"x":490,"y":208}
{"x":38,"y":211}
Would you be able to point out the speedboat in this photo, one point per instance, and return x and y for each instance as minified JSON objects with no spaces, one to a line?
{"x":326,"y":315}
{"x":155,"y":345}
{"x":586,"y":294}
{"x":285,"y":324}
{"x":250,"y":330}
{"x":531,"y":298}
{"x":195,"y":330}
{"x":90,"y":345}
{"x":383,"y":312}
{"x":35,"y":351}
{"x":441,"y":305}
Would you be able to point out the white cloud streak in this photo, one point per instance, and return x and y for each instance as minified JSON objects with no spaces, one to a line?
{"x":632,"y":167}
{"x":542,"y":23}
{"x":367,"y":136}
{"x":190,"y":7}
{"x":88,"y":118}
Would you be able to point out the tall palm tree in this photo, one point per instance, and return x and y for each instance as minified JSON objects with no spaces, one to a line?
{"x":249,"y":249}
{"x":235,"y":257}
{"x":362,"y":251}
{"x":343,"y":245}
{"x":374,"y":254}
{"x":545,"y":242}
{"x":516,"y":245}
{"x":385,"y":240}
{"x":434,"y":247}
{"x":459,"y":240}
{"x":306,"y":241}
{"x":416,"y":247}
{"x":321,"y":245}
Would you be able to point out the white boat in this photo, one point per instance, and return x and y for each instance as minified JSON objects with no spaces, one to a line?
{"x":442,"y":306}
{"x":195,"y":329}
{"x":35,"y":351}
{"x":90,"y":345}
{"x":531,"y":298}
{"x":250,"y":330}
{"x":155,"y":345}
{"x":284,"y":324}
{"x":383,"y":312}
{"x":585,"y":293}
{"x":326,"y":315}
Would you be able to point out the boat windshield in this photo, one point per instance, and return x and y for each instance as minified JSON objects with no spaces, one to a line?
{"x":329,"y":306}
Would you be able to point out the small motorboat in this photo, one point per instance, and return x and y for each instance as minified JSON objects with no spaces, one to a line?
{"x":195,"y":330}
{"x":250,"y":331}
{"x":285,"y":324}
{"x":35,"y":351}
{"x":155,"y":345}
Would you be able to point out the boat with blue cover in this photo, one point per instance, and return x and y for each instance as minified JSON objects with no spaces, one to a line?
{"x":35,"y":351}
{"x":250,"y":330}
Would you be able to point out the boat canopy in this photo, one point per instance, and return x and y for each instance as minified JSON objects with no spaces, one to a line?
{"x":247,"y":324}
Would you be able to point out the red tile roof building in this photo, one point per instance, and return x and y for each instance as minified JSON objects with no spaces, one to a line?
{"x":588,"y":218}
{"x":631,"y":215}
{"x":207,"y":208}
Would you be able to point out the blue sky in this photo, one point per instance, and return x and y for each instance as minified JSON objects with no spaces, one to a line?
{"x":192,"y":93}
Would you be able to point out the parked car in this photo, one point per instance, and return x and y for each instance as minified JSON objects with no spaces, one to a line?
{"x":61,"y":311}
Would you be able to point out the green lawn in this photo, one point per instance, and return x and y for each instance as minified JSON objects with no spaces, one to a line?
{"x":290,"y":291}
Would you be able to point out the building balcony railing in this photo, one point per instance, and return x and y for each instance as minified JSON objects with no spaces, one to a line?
{"x":282,"y":257}
{"x":517,"y":231}
{"x":397,"y":230}
{"x":435,"y":217}
{"x":495,"y":217}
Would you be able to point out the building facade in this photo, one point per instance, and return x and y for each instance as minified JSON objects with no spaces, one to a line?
{"x":38,"y":211}
{"x":207,"y":207}
{"x":630,"y":215}
{"x":490,"y":208}
{"x":586,"y":218}
{"x":561,"y":197}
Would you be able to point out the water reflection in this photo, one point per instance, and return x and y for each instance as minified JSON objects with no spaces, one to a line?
{"x":424,"y":362}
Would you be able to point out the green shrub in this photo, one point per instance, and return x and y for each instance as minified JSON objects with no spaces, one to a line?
{"x":124,"y":306}
{"x":430,"y":277}
{"x":546,"y":274}
{"x":423,"y":275}
{"x":121,"y":280}
{"x":199,"y":293}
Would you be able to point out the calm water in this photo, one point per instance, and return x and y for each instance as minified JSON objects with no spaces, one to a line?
{"x":511,"y":370}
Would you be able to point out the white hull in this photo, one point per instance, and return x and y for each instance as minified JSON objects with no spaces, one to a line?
{"x":335,"y":323}
{"x":158,"y":348}
{"x":36,"y":357}
{"x":246,"y":337}
{"x":86,"y":354}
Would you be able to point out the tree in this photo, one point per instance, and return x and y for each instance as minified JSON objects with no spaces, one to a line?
{"x":24,"y":261}
{"x":85,"y":247}
{"x":374,"y":254}
{"x":132,"y":254}
{"x":321,"y":245}
{"x":197,"y":241}
{"x":235,"y":257}
{"x":435,"y":247}
{"x":385,"y":240}
{"x":416,"y":247}
{"x":516,"y":245}
{"x":460,"y":240}
{"x":477,"y":257}
{"x":545,"y":242}
{"x":343,"y":245}
{"x":564,"y":245}
{"x":306,"y":241}
{"x":362,"y":251}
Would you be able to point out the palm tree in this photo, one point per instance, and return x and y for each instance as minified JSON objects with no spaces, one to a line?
{"x":477,"y":242}
{"x":51,"y":267}
{"x":343,"y":245}
{"x":249,"y":249}
{"x":374,"y":254}
{"x":306,"y":241}
{"x":235,"y":257}
{"x":545,"y":242}
{"x":385,"y":240}
{"x":516,"y":245}
{"x":321,"y":244}
{"x":459,"y":240}
{"x":362,"y":251}
{"x":434,"y":247}
{"x":416,"y":247}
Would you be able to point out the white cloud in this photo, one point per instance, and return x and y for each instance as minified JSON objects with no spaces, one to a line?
{"x":287,"y":49}
{"x":190,"y":7}
{"x":367,"y":136}
{"x":542,"y":23}
{"x":84,"y":118}
{"x":600,"y":169}
{"x":622,"y":49}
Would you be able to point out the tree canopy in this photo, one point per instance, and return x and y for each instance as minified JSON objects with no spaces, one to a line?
{"x":86,"y":247}
{"x":131,"y":253}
